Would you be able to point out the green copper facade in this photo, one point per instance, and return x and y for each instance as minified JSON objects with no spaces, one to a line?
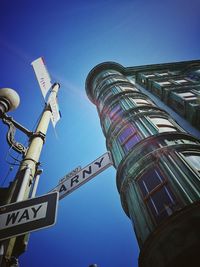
{"x":157,"y":162}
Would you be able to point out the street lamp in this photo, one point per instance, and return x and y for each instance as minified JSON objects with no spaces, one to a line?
{"x":25,"y":183}
{"x":9,"y":100}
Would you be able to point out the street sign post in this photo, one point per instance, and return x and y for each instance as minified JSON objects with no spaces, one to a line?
{"x":26,"y":216}
{"x":84,"y":175}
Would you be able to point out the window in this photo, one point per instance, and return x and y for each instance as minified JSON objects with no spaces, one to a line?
{"x":126,"y":133}
{"x":117,"y":152}
{"x":149,"y":75}
{"x":106,"y":124}
{"x":128,"y":138}
{"x":163,"y":125}
{"x":181,"y":81}
{"x":149,"y":182}
{"x":157,"y":195}
{"x":163,"y":83}
{"x":187,"y":95}
{"x":115,"y":112}
{"x":116,"y":89}
{"x":133,"y":140}
{"x":100,"y":106}
{"x":131,"y":79}
{"x":162,"y":74}
{"x":194,"y":161}
{"x":141,"y":102}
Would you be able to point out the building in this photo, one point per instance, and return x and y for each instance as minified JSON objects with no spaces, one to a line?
{"x":157,"y":161}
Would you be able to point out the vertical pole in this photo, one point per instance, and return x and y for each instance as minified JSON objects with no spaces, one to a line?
{"x":22,"y":184}
{"x":37,"y":178}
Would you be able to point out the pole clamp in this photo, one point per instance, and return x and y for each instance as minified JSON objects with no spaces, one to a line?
{"x":39,"y":134}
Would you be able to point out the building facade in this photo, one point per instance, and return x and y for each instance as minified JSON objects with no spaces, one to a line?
{"x":157,"y":161}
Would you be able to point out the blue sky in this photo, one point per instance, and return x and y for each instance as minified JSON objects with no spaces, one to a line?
{"x":73,"y":37}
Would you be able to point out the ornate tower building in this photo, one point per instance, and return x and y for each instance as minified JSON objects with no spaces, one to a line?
{"x":157,"y":161}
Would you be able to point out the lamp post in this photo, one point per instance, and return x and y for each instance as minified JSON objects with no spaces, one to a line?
{"x":25,"y":183}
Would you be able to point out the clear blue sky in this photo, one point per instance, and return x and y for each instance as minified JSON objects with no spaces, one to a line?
{"x":73,"y":37}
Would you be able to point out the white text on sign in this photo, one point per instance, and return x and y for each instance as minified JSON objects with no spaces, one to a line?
{"x":23,"y":215}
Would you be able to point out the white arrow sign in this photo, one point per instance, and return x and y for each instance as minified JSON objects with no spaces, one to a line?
{"x":84,"y":175}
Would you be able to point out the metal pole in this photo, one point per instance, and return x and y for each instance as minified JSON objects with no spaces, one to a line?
{"x":37,"y":178}
{"x":23,"y":182}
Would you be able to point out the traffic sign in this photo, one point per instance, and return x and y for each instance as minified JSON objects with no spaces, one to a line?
{"x":84,"y":175}
{"x":29,"y":215}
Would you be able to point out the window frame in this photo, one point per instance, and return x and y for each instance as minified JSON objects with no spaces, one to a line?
{"x":189,"y":162}
{"x":161,"y":126}
{"x":157,"y":215}
{"x":133,"y":135}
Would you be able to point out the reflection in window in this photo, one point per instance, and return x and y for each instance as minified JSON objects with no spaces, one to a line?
{"x":181,"y":81}
{"x":149,"y":75}
{"x":125,"y":134}
{"x":162,"y":74}
{"x":157,"y":195}
{"x":106,"y":124}
{"x":117,"y":152}
{"x":142,"y":102}
{"x":163,"y":125}
{"x":187,"y":95}
{"x":107,"y":95}
{"x":133,"y":140}
{"x":163,"y":83}
{"x":194,"y":160}
{"x":128,"y":138}
{"x":115,"y":112}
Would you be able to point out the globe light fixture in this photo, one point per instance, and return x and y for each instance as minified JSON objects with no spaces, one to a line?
{"x":9,"y":100}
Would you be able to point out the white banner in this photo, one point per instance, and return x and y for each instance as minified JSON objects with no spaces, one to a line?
{"x":42,"y":75}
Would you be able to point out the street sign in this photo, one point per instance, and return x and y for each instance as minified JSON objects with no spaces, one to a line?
{"x":42,"y":75}
{"x":29,"y":215}
{"x":69,"y":175}
{"x":84,"y":175}
{"x":52,"y":101}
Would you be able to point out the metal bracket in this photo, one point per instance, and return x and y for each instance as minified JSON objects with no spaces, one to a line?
{"x":11,"y":137}
{"x":13,"y":125}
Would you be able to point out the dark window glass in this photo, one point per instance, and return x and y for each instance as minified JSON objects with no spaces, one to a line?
{"x":125,"y":134}
{"x":158,"y":196}
{"x":194,"y":160}
{"x":128,"y":138}
{"x":149,"y":181}
{"x":133,"y":140}
{"x":162,"y":203}
{"x":115,"y":112}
